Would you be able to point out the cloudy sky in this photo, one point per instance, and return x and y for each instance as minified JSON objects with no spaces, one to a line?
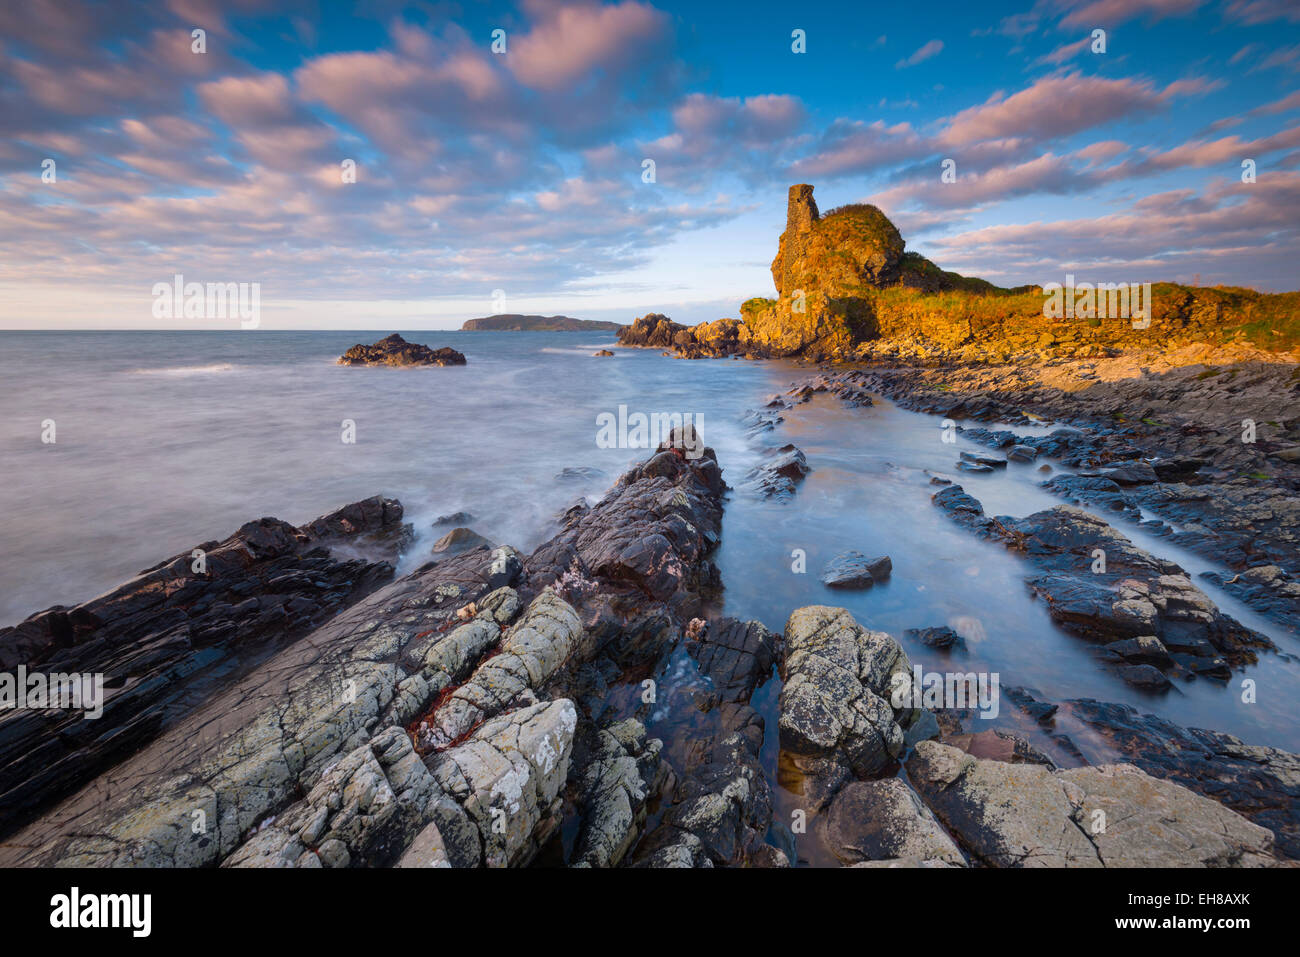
{"x":524,"y":171}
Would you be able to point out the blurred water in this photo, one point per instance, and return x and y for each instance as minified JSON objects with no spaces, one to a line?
{"x":168,"y":439}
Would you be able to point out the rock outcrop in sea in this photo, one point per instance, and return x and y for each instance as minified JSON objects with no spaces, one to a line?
{"x":395,"y":351}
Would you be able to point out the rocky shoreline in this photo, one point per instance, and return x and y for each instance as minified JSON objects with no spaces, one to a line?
{"x":490,"y":709}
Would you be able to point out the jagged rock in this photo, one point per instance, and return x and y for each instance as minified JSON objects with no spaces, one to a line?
{"x":721,"y":810}
{"x":395,"y":351}
{"x":737,"y":656}
{"x":369,"y":805}
{"x":1098,"y":584}
{"x":535,"y":647}
{"x":779,"y":475}
{"x":992,"y":461}
{"x":455,"y":518}
{"x":164,"y":639}
{"x":508,"y":776}
{"x":943,"y":638}
{"x":835,"y":712}
{"x":622,"y":772}
{"x":1261,"y":783}
{"x":1025,"y":815}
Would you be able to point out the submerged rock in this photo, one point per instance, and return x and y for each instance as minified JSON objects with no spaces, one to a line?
{"x":855,"y":570}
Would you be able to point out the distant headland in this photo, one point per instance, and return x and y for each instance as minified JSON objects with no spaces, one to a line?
{"x":516,"y":323}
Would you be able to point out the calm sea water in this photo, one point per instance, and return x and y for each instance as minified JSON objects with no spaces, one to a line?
{"x":165,"y":440}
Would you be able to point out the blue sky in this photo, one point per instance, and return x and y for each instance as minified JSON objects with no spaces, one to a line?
{"x":519,"y":174}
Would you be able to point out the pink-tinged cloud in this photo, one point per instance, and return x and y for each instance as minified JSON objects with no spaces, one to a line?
{"x":1254,"y":12}
{"x":576,"y":40}
{"x":1065,"y":52}
{"x":1104,"y":13}
{"x":1230,"y":229}
{"x":259,"y":100}
{"x":852,"y":147}
{"x":1060,"y":105}
{"x":757,"y":118}
{"x":931,"y":49}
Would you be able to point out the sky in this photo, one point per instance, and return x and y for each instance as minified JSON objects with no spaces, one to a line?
{"x":408,"y":166}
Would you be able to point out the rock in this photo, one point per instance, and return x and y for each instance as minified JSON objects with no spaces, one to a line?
{"x":943,"y":638}
{"x":855,"y":570}
{"x":998,"y":745}
{"x":455,"y":518}
{"x":460,"y":540}
{"x":1132,"y":473}
{"x":992,"y":461}
{"x":1144,"y":648}
{"x":835,"y":715}
{"x":976,"y":467}
{"x":1261,"y":783}
{"x":535,"y":647}
{"x":1025,"y":815}
{"x":580,"y":474}
{"x":721,"y":810}
{"x":477,"y":649}
{"x":651,"y":331}
{"x":737,"y":656}
{"x":508,"y":775}
{"x":780,"y":474}
{"x":618,"y":777}
{"x":165,"y":639}
{"x":1022,"y":453}
{"x":603,"y":352}
{"x":395,"y":351}
{"x":1133,"y":594}
{"x":881,"y":821}
{"x":1145,"y":677}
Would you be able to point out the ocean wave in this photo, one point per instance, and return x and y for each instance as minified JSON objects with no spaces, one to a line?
{"x":187,"y":370}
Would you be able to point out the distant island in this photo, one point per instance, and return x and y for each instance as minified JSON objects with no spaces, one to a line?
{"x":511,"y":322}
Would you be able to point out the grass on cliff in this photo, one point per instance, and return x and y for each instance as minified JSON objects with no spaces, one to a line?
{"x":1268,"y":320}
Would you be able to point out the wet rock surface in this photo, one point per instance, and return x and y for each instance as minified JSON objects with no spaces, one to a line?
{"x":1098,"y":584}
{"x":779,"y":475}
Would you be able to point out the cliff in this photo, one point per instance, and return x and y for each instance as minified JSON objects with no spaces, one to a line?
{"x":847,"y":288}
{"x":516,"y":323}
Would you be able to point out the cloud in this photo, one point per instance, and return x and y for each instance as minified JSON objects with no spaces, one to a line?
{"x":1230,"y":229}
{"x":1060,"y":105}
{"x":1113,"y":12}
{"x":931,"y":49}
{"x":572,"y":42}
